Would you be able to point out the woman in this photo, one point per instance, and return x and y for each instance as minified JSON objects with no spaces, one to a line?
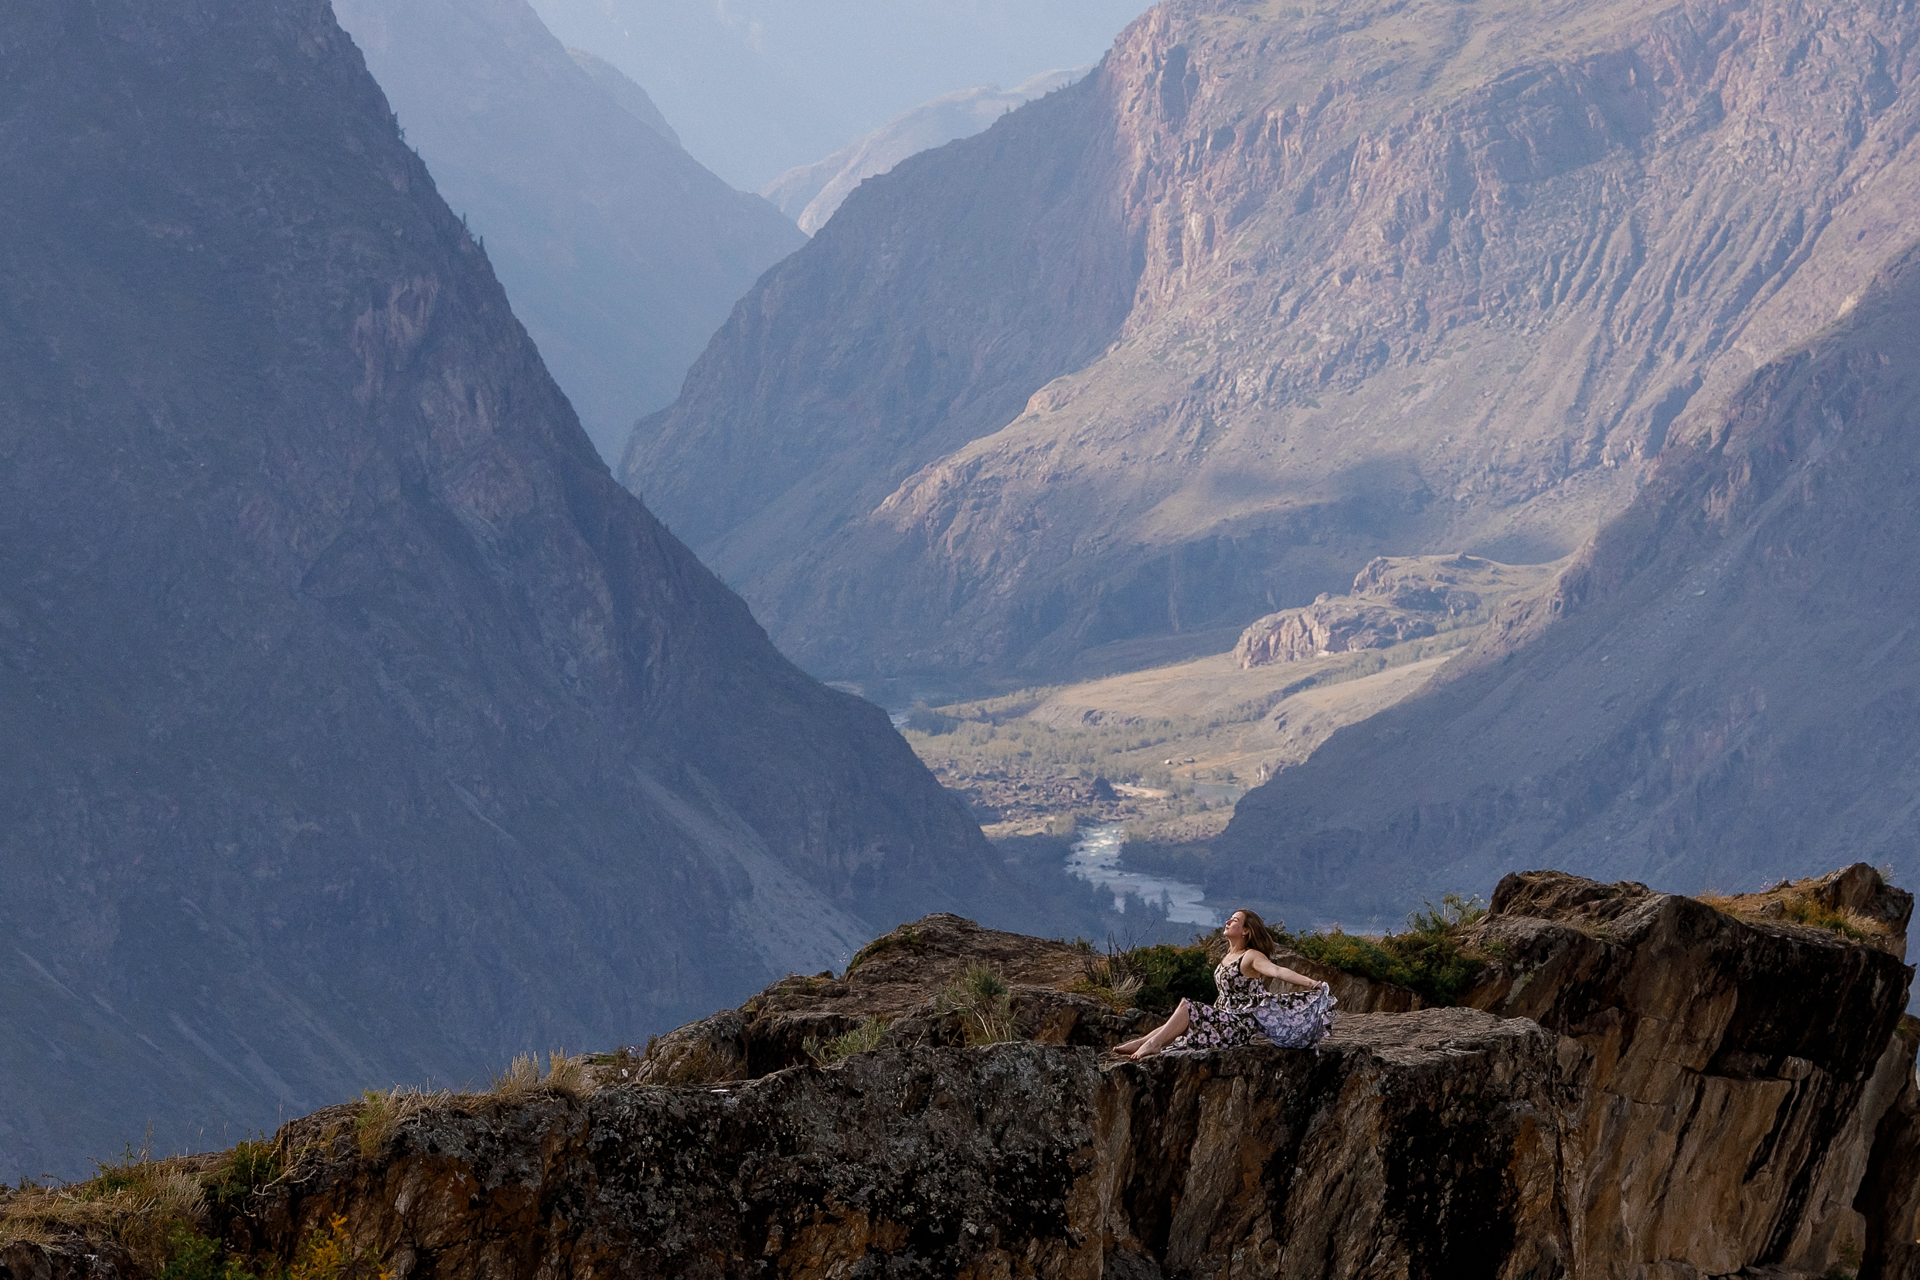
{"x":1247,"y":1013}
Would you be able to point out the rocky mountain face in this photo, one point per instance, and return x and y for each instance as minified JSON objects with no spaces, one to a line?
{"x":355,"y":725}
{"x":620,"y":253}
{"x":1639,"y":1085}
{"x":1391,"y":600}
{"x":1274,"y":291}
{"x":1722,"y":686}
{"x":810,"y":193}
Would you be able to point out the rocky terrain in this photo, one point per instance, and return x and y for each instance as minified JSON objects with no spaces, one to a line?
{"x":1629,"y":1089}
{"x":619,"y":252}
{"x":1274,"y":291}
{"x":809,"y":193}
{"x":1391,"y":601}
{"x":1721,"y":688}
{"x":355,"y":725}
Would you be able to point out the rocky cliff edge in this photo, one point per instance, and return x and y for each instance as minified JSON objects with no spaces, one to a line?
{"x":1639,"y":1085}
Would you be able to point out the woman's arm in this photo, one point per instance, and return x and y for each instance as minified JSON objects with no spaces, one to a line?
{"x":1269,"y":969}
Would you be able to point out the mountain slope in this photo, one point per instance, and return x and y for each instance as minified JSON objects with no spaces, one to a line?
{"x":1411,"y":278}
{"x":621,"y":254}
{"x":354,"y":724}
{"x":810,"y":193}
{"x":1724,"y":687}
{"x":631,"y":97}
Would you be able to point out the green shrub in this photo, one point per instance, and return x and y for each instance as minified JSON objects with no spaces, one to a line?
{"x":1427,"y":958}
{"x":193,"y":1256}
{"x":1169,"y":974}
{"x":248,"y":1167}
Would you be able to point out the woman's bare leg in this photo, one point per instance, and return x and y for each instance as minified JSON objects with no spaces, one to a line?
{"x":1164,"y":1034}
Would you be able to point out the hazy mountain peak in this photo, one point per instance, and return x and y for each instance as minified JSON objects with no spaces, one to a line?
{"x":624,"y":91}
{"x":620,"y":251}
{"x":810,"y":193}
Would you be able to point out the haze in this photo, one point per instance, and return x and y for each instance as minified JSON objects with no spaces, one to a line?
{"x":755,"y":87}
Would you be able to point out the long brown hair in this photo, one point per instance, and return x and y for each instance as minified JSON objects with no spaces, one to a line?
{"x":1259,"y":937}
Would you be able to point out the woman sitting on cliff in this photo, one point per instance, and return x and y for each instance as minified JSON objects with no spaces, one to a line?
{"x":1246,"y":1013}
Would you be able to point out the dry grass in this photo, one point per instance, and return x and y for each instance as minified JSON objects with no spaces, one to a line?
{"x":1795,"y":902}
{"x":870,"y":1035}
{"x":1110,"y":979}
{"x":565,"y":1077}
{"x":381,"y":1113}
{"x":137,"y":1202}
{"x":980,"y":997}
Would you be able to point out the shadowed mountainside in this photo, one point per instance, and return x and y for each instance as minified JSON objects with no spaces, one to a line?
{"x":355,"y":725}
{"x":1273,"y":291}
{"x":620,"y":253}
{"x":1725,"y":684}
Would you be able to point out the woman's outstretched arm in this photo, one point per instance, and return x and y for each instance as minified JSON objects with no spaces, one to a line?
{"x":1268,"y":968}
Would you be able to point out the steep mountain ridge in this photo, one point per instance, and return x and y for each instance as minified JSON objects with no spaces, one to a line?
{"x":354,"y":723}
{"x":1399,"y":278}
{"x":620,"y":252}
{"x":1721,"y":687}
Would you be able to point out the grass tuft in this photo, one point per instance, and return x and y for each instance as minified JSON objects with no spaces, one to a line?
{"x":870,"y":1035}
{"x":565,"y":1077}
{"x":382,"y":1112}
{"x":981,"y":998}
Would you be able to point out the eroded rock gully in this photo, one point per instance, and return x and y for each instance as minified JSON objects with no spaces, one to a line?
{"x":1646,"y":1087}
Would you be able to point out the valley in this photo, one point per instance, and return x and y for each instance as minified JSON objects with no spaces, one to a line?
{"x":1168,"y":751}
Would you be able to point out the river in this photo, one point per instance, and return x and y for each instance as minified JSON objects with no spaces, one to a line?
{"x":1096,"y":858}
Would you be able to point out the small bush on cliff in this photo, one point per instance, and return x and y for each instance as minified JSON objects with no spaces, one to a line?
{"x":865,"y":1038}
{"x":1169,"y":974}
{"x":331,"y":1254}
{"x":193,"y":1256}
{"x":1428,"y":958}
{"x":1109,"y":978}
{"x":251,"y":1164}
{"x":981,"y":998}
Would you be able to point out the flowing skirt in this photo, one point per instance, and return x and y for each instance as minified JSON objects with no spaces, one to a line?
{"x":1298,"y":1021}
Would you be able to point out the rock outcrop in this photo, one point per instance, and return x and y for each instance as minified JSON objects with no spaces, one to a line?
{"x":1720,"y":688}
{"x":619,"y":252}
{"x":1392,"y":600}
{"x":1650,"y":1089}
{"x":354,"y":724}
{"x":1275,"y":290}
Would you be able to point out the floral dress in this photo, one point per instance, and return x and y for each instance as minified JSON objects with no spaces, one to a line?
{"x":1248,"y":1013}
